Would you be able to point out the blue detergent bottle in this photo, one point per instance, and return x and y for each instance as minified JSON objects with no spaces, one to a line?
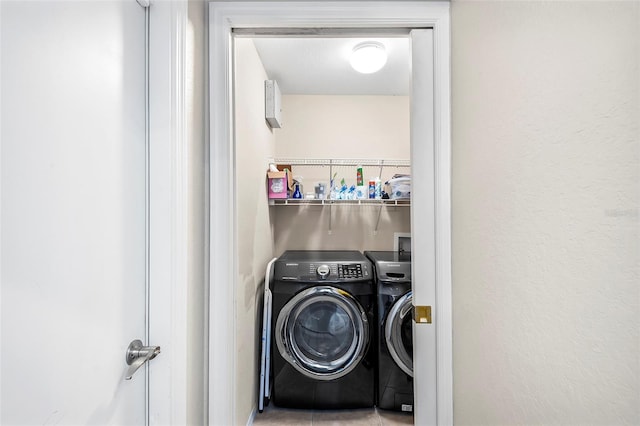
{"x":297,"y":194}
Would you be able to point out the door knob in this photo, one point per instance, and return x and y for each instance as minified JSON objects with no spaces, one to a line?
{"x":137,"y":355}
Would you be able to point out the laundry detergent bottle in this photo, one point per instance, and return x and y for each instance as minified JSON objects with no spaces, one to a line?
{"x":297,"y":193}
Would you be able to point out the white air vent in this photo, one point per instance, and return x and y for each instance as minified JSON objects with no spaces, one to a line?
{"x":272,"y":105}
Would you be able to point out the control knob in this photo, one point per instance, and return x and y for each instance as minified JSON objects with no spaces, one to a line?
{"x":323,"y":271}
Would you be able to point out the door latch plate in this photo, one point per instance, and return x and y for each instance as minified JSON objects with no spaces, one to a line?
{"x":422,"y":314}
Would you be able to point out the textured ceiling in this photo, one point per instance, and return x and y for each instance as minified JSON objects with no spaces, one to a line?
{"x":320,"y":66}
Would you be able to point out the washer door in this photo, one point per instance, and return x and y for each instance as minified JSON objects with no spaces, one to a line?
{"x":322,"y":332}
{"x":398,"y":333}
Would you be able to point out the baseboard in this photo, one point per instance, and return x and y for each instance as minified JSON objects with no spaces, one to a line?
{"x":252,"y":416}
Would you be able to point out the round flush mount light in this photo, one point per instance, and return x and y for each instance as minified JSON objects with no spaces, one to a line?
{"x":368,"y":57}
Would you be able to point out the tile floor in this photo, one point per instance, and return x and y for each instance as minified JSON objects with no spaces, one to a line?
{"x":272,"y":416}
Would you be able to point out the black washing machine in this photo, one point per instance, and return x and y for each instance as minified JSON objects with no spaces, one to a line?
{"x":394,"y":329}
{"x":323,"y":349}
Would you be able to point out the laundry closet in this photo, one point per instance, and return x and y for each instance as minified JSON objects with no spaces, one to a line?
{"x":322,"y":137}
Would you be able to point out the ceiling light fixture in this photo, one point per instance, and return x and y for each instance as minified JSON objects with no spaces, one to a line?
{"x":368,"y":57}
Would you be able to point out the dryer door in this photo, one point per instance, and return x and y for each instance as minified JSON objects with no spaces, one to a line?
{"x":322,"y":332}
{"x":398,"y":333}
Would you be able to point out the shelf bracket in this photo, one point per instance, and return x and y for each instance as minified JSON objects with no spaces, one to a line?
{"x":381,"y":167}
{"x":375,"y":231}
{"x":330,"y":215}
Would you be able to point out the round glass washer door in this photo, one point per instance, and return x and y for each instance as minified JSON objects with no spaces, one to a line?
{"x":323,"y":332}
{"x":399,"y":333}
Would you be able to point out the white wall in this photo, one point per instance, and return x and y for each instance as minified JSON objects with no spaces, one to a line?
{"x":254,"y":146}
{"x":546,"y":179}
{"x":344,"y":127}
{"x":365,"y":127}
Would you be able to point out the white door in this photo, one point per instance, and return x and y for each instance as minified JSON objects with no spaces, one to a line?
{"x":423,"y":223}
{"x":72,"y":211}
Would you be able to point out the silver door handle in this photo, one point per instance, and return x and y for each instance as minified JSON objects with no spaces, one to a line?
{"x":137,"y":355}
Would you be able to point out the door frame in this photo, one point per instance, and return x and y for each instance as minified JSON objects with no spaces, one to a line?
{"x":223,"y":17}
{"x":169,"y":373}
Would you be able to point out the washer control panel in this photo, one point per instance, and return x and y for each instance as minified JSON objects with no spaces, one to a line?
{"x":336,"y":271}
{"x":323,"y":266}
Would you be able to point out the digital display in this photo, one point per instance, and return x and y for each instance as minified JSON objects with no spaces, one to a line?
{"x":350,"y":270}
